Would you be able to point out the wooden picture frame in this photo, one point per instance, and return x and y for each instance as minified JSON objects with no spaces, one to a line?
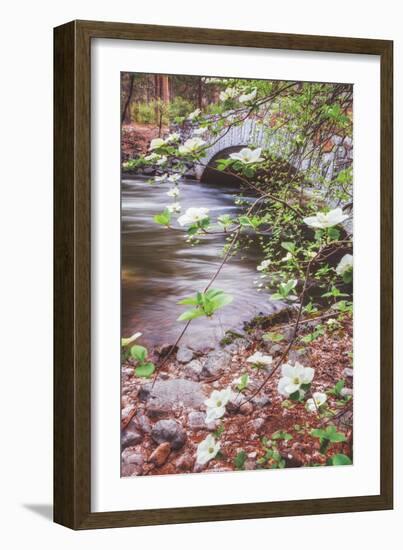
{"x":72,"y":271}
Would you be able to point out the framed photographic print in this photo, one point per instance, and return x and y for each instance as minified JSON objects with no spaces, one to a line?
{"x":223,"y":275}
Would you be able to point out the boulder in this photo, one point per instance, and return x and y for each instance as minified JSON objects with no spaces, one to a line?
{"x":193,"y":370}
{"x":216,"y":363}
{"x":169,"y":394}
{"x":169,"y":431}
{"x":184,"y":354}
{"x":131,"y":435}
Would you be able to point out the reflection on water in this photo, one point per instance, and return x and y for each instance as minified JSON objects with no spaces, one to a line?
{"x":159,"y":267}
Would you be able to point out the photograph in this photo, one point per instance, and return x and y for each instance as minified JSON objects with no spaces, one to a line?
{"x":236,"y":274}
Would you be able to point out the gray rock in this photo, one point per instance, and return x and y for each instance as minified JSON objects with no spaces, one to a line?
{"x":193,"y":370}
{"x":258,"y":423}
{"x":184,"y":355}
{"x":216,"y":363}
{"x":129,"y":470}
{"x":300,"y":356}
{"x":349,"y":373}
{"x":143,"y":423}
{"x":246,"y":408}
{"x":197,"y":420}
{"x":169,"y":394}
{"x":250,"y":464}
{"x":131,"y":456}
{"x":238,"y":345}
{"x":131,"y":435}
{"x":261,"y":400}
{"x":169,"y":431}
{"x":275,"y":349}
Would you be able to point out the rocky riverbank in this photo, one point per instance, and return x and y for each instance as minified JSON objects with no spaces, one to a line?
{"x":164,"y":421}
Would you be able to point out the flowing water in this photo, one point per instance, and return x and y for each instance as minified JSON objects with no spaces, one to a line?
{"x":159,"y":268}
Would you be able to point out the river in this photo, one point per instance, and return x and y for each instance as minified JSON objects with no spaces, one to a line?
{"x":159,"y":268}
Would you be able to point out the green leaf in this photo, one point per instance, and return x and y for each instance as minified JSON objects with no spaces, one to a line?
{"x":164,"y":218}
{"x":290,"y":247}
{"x":221,"y":300}
{"x":239,"y":460}
{"x":243,"y":382}
{"x":281,"y":435}
{"x":339,"y":460}
{"x":273,"y":336}
{"x":191,"y":314}
{"x":139,"y":353}
{"x":145,"y":370}
{"x":130,"y":339}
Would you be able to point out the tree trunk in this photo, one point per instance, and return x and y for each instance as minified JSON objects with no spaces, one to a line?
{"x":165,"y":88}
{"x":128,"y":99}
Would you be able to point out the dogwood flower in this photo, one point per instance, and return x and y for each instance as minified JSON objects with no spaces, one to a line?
{"x":229,"y":93}
{"x":319,"y":398}
{"x":172,"y":137}
{"x":191,"y":145}
{"x":194,"y":114}
{"x":161,"y":160}
{"x":156,"y":143}
{"x":160,"y":179}
{"x":216,"y":404}
{"x":207,"y":449}
{"x":263,"y":265}
{"x":173,"y":178}
{"x":153,"y":157}
{"x":248,"y":156}
{"x":324,"y":220}
{"x":244,"y":98}
{"x":174,"y":192}
{"x":175,"y":207}
{"x":345,"y":264}
{"x":200,"y":131}
{"x":193,"y":215}
{"x":287,"y":257}
{"x":259,"y":359}
{"x":293,"y":377}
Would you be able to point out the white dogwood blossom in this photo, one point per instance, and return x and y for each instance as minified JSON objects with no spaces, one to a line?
{"x":317,"y":400}
{"x":229,"y":93}
{"x":345,"y":264}
{"x":174,"y":192}
{"x":156,"y":143}
{"x":175,"y":207}
{"x":248,"y":156}
{"x":172,"y":137}
{"x":194,"y":114}
{"x":293,"y":377}
{"x":173,"y":178}
{"x":216,"y":404}
{"x":193,"y":215}
{"x":259,"y":359}
{"x":191,"y":145}
{"x":207,"y":449}
{"x":244,"y":98}
{"x":160,"y":179}
{"x":263,"y":265}
{"x":324,"y":220}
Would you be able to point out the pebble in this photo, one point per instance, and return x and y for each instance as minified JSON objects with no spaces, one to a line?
{"x":129,"y":470}
{"x":143,"y":422}
{"x":160,"y":455}
{"x":193,"y":370}
{"x":349,"y":373}
{"x":246,"y":408}
{"x":197,"y":420}
{"x":216,"y":363}
{"x":132,"y":456}
{"x":184,"y":354}
{"x":131,"y":435}
{"x":185,"y":462}
{"x":169,"y":431}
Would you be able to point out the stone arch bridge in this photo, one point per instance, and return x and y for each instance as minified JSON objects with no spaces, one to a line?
{"x":337,"y":155}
